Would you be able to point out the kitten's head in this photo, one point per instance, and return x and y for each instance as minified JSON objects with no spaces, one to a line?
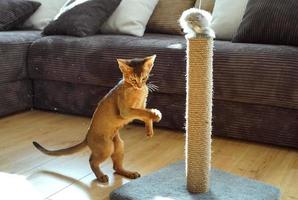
{"x":136,"y":71}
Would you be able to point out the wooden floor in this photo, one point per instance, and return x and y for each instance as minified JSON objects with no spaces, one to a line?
{"x":70,"y":178}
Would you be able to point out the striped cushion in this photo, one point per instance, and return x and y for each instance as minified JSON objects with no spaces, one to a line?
{"x":165,"y":17}
{"x":269,"y":22}
{"x":15,"y":12}
{"x":92,"y":60}
{"x":254,"y":73}
{"x":257,"y":74}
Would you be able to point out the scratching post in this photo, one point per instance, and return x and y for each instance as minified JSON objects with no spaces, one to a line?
{"x":224,"y":186}
{"x":199,"y":88}
{"x":199,"y":113}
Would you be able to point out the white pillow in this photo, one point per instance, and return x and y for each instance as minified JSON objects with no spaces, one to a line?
{"x":131,"y":17}
{"x":227,"y":16}
{"x":44,"y":14}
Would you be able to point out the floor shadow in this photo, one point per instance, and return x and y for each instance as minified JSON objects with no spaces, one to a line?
{"x":91,"y":190}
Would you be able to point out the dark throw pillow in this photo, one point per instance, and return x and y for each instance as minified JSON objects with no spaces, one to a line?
{"x":269,"y":22}
{"x":82,"y":19}
{"x":14,"y":12}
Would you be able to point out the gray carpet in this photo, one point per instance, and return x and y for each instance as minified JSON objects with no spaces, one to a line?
{"x":169,"y":184}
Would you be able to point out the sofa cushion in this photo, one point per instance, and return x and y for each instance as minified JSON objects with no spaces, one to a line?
{"x":14,"y":12}
{"x":207,"y":5}
{"x":269,"y":22}
{"x":81,"y":18}
{"x":13,"y":54}
{"x":226,"y":17}
{"x":92,"y":60}
{"x":133,"y":23}
{"x":248,"y":73}
{"x":166,"y":16}
{"x":44,"y":14}
{"x":255,"y":73}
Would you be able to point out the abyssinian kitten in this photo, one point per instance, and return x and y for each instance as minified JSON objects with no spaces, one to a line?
{"x":124,"y":103}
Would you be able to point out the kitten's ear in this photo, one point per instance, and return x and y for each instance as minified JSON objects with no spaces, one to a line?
{"x":123,"y":66}
{"x":149,"y":62}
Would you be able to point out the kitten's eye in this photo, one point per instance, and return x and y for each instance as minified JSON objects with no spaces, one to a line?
{"x":145,"y":78}
{"x":134,"y":81}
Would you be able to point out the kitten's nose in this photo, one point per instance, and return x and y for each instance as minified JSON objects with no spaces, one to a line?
{"x":139,"y":85}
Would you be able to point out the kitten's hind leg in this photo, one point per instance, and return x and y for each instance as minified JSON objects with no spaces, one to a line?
{"x":118,"y":157}
{"x":100,"y":153}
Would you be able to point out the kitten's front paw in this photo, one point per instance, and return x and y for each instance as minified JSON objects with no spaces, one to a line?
{"x":156,"y":115}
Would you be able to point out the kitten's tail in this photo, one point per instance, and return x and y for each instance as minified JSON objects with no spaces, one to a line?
{"x":61,"y":152}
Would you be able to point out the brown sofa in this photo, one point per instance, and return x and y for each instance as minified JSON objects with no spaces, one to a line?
{"x":255,"y":90}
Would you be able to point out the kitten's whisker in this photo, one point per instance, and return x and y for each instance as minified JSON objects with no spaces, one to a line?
{"x":152,"y":87}
{"x":153,"y":82}
{"x":155,"y":86}
{"x":149,"y":88}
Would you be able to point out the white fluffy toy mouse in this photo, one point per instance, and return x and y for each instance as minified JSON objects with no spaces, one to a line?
{"x":196,"y":22}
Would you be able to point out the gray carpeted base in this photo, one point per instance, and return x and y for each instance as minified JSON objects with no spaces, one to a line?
{"x":170,"y":184}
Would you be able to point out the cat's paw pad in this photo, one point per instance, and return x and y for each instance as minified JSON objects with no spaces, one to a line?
{"x":103,"y":179}
{"x":133,"y":175}
{"x":156,"y":115}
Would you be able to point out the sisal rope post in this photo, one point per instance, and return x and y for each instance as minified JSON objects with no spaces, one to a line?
{"x":199,"y":113}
